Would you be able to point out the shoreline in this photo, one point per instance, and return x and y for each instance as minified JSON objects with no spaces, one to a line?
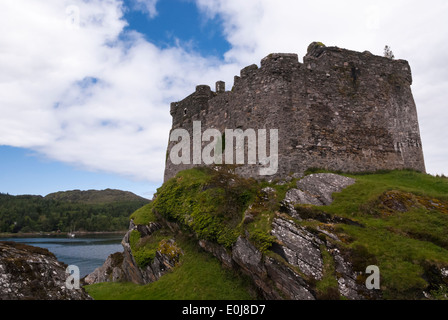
{"x":59,"y":234}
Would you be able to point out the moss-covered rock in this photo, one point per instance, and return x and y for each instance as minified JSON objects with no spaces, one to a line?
{"x":396,"y":220}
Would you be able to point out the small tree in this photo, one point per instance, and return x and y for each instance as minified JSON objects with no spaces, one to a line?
{"x":388,"y":52}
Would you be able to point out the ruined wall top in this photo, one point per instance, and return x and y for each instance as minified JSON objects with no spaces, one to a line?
{"x":318,"y":58}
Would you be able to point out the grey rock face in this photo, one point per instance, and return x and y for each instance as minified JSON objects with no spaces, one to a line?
{"x":110,"y":271}
{"x":322,"y":185}
{"x":317,"y":189}
{"x":146,"y":230}
{"x":218,"y":251}
{"x":299,"y":196}
{"x":287,"y":281}
{"x":30,"y":273}
{"x":346,"y":277}
{"x":300,"y":248}
{"x":270,"y":276}
{"x":247,"y":256}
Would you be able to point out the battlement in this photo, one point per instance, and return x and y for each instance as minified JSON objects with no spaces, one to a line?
{"x":338,"y":110}
{"x":279,"y":61}
{"x":334,"y":59}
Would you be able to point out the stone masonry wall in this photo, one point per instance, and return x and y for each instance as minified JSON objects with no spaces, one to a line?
{"x":338,"y":110}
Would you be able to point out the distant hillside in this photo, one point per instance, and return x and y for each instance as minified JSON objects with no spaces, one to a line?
{"x":94,"y":196}
{"x":91,"y":211}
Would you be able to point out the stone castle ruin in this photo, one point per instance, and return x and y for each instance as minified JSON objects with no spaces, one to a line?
{"x":338,"y":110}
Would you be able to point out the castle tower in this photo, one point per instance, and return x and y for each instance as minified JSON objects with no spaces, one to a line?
{"x":338,"y":110}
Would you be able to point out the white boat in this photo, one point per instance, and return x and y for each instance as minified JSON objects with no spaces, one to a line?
{"x":71,"y":233}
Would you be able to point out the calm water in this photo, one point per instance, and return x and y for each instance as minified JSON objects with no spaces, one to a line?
{"x":88,"y":252}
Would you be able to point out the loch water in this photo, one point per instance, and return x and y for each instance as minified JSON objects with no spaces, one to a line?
{"x":86,"y":252}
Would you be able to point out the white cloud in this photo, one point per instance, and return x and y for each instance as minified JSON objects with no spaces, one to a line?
{"x":147,"y":6}
{"x":86,"y":96}
{"x":82,"y":92}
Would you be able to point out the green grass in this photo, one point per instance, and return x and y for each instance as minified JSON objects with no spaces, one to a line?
{"x":144,"y":215}
{"x":370,"y":186}
{"x":403,"y":242}
{"x":199,"y":276}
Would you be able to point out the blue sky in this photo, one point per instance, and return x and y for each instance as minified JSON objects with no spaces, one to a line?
{"x":85,"y":85}
{"x":177,"y":22}
{"x":25,"y":172}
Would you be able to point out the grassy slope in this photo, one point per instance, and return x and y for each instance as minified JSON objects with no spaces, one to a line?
{"x":405,"y":244}
{"x":199,"y":276}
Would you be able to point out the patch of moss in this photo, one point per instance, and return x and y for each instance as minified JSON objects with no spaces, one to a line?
{"x":393,"y":201}
{"x":208,"y":201}
{"x":262,"y":240}
{"x":170,"y":249}
{"x":144,"y":249}
{"x":262,"y":210}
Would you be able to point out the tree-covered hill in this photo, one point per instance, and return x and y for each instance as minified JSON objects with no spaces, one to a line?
{"x":92,"y":210}
{"x":95,"y":196}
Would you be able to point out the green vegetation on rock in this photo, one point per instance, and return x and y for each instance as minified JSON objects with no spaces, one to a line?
{"x":402,"y":226}
{"x":198,"y":276}
{"x":144,"y":249}
{"x":208,"y":202}
{"x":397,"y":220}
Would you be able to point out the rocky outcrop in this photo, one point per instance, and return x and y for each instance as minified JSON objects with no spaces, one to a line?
{"x":298,"y":247}
{"x":111,"y":271}
{"x":347,"y":285}
{"x":317,"y":189}
{"x":293,"y":274}
{"x":275,"y":280}
{"x":122,"y":266}
{"x":292,"y":267}
{"x":31,"y":273}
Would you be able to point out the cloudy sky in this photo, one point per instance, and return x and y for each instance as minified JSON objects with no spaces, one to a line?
{"x":85,"y":85}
